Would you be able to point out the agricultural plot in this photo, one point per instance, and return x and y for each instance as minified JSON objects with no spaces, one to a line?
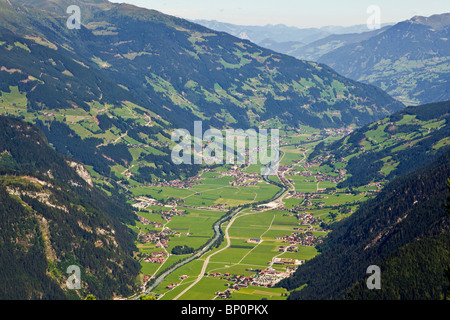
{"x":304,"y":184}
{"x":258,"y":293}
{"x":211,"y":192}
{"x":291,"y":155}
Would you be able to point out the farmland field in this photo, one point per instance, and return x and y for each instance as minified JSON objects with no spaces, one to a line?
{"x":258,"y":239}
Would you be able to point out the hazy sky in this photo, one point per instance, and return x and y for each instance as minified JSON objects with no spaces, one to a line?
{"x":299,"y":13}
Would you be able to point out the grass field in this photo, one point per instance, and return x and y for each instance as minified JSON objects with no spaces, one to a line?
{"x":212,"y":191}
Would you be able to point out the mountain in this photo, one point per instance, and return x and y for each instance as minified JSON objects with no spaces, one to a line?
{"x":184,"y":72}
{"x":52,"y":217}
{"x":405,"y":231}
{"x":282,"y":47}
{"x":302,"y":43}
{"x":111,"y":93}
{"x":390,"y":147}
{"x":282,"y":34}
{"x":355,"y":29}
{"x":314,"y":50}
{"x":258,"y":34}
{"x":410,"y":60}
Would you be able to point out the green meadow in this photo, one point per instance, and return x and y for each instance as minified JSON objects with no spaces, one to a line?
{"x":212,"y":191}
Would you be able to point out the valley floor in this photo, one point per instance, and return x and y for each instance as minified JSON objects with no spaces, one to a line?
{"x":261,"y":244}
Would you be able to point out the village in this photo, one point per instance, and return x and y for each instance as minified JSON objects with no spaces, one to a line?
{"x":242,"y":179}
{"x":160,"y":238}
{"x":306,"y":238}
{"x":156,"y":257}
{"x":263,"y":278}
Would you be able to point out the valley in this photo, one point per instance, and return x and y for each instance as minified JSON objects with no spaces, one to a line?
{"x":264,"y":241}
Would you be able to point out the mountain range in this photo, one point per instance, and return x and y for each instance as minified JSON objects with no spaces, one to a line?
{"x":111,"y":87}
{"x":405,"y":231}
{"x":52,"y":217}
{"x":281,"y":33}
{"x":183,"y":70}
{"x":100,"y":102}
{"x":409,"y":59}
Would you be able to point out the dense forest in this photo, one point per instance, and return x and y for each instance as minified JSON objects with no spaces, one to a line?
{"x":404,"y":230}
{"x":52,"y":218}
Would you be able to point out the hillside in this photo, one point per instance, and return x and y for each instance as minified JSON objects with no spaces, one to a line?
{"x":111,"y":93}
{"x":283,"y":34}
{"x":315,"y":50}
{"x":410,"y":60}
{"x":405,"y":231}
{"x":259,"y":34}
{"x":391,"y":147}
{"x":181,"y":71}
{"x":53,"y":217}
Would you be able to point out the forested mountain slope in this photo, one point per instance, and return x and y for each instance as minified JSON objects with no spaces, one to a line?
{"x":409,"y":60}
{"x":53,"y":217}
{"x":391,"y":147}
{"x":405,"y":231}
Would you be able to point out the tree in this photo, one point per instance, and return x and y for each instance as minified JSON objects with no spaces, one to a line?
{"x":447,"y":272}
{"x":448,"y":197}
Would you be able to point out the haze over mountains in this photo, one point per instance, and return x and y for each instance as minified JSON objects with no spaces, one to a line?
{"x":281,"y":33}
{"x":409,"y":59}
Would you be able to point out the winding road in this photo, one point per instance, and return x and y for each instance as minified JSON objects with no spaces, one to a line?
{"x":217,"y":232}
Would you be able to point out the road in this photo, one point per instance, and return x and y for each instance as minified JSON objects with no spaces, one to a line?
{"x":205,"y":264}
{"x":217,"y":231}
{"x":227,"y":237}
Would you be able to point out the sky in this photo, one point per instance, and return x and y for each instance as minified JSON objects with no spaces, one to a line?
{"x":297,"y":13}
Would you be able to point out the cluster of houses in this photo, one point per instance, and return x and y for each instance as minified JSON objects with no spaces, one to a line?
{"x":263,"y":278}
{"x":146,"y":222}
{"x":180,"y":184}
{"x":176,"y":284}
{"x":301,"y":238}
{"x":145,"y":202}
{"x":48,"y":114}
{"x":379,"y":185}
{"x":270,"y":277}
{"x":160,"y":144}
{"x":290,"y":248}
{"x":224,"y":294}
{"x":160,"y":238}
{"x":167,"y":215}
{"x":307,"y":219}
{"x":241,"y":179}
{"x":156,"y":257}
{"x":220,"y":207}
{"x":338,"y":132}
{"x":304,"y":218}
{"x":172,"y":286}
{"x":296,"y":194}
